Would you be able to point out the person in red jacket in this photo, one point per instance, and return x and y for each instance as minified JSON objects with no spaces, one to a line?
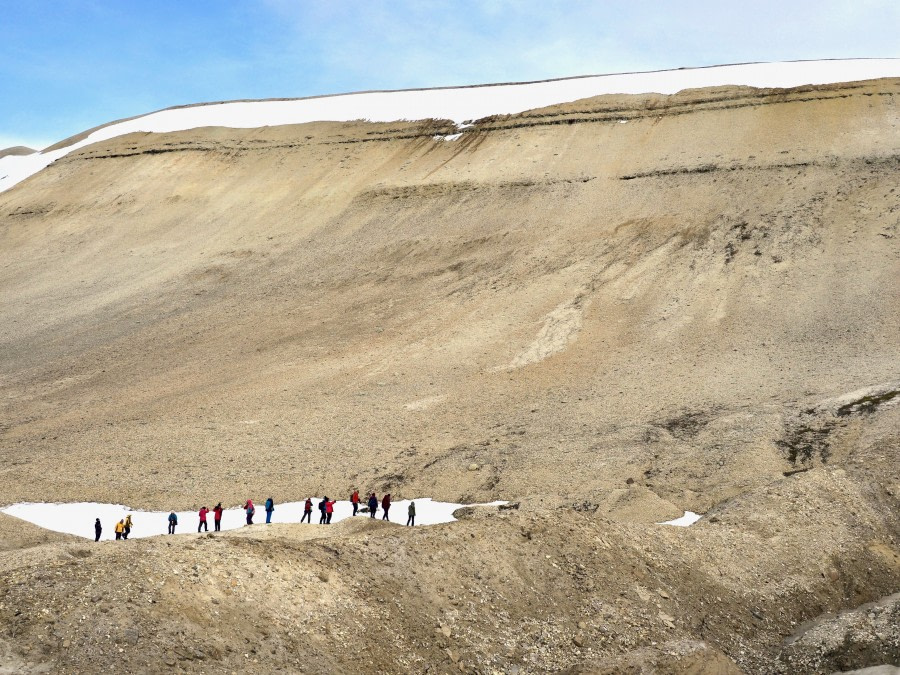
{"x":203,"y":525}
{"x":217,"y":517}
{"x":249,"y":509}
{"x":307,"y":511}
{"x":385,"y":505}
{"x":354,"y":499}
{"x":329,"y":511}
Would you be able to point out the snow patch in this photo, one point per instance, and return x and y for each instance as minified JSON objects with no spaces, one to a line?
{"x":688,"y":519}
{"x":460,"y":104}
{"x":78,"y":518}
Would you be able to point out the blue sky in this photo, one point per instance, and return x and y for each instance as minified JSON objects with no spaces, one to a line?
{"x":68,"y":65}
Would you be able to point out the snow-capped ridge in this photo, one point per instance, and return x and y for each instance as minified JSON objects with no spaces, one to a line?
{"x":459,"y":104}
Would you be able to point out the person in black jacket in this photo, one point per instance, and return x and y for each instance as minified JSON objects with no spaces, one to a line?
{"x":373,"y":505}
{"x":98,"y":529}
{"x":322,"y":518}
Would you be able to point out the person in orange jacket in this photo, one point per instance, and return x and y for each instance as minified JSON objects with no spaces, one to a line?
{"x":354,"y":499}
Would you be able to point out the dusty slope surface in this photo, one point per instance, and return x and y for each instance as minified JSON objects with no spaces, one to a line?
{"x":619,"y":309}
{"x":16,"y":150}
{"x":565,"y":299}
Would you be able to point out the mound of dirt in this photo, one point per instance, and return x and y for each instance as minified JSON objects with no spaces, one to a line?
{"x":16,"y":150}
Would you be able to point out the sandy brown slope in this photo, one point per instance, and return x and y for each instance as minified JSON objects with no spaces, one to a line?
{"x":305,"y":307}
{"x":547,"y":591}
{"x":617,"y":309}
{"x":16,"y":150}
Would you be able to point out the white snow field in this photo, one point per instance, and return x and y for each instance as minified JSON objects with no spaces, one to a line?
{"x":460,"y":104}
{"x":688,"y":519}
{"x":78,"y":518}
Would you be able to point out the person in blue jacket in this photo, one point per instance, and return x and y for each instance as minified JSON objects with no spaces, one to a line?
{"x":173,"y":521}
{"x":373,"y":505}
{"x":270,"y":506}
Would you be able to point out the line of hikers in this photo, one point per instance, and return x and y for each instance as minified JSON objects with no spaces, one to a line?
{"x":326,"y":510}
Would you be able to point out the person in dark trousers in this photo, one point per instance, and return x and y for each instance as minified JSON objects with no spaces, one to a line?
{"x":329,"y":510}
{"x":412,"y":515}
{"x":217,"y":517}
{"x":173,"y":521}
{"x":323,"y":515}
{"x":203,"y":525}
{"x":270,"y":506}
{"x":354,"y":499}
{"x":373,"y":505}
{"x":385,"y":505}
{"x":98,"y":530}
{"x":307,"y":511}
{"x":249,"y":509}
{"x":120,"y":528}
{"x":127,"y":529}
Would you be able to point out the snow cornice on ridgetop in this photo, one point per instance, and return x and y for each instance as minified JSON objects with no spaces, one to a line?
{"x":460,"y":104}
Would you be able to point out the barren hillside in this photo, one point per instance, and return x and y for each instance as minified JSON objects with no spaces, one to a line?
{"x":619,"y":309}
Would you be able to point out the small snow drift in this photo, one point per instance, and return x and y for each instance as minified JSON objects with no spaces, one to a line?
{"x":688,"y":519}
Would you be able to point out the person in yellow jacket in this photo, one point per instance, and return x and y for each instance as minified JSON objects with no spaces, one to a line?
{"x":128,"y":527}
{"x":120,"y":528}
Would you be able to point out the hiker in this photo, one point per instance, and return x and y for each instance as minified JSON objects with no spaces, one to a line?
{"x":270,"y":506}
{"x":322,"y":511}
{"x":373,"y":505}
{"x":120,"y":528}
{"x":329,"y":510}
{"x":98,"y":529}
{"x":411,"y":521}
{"x":203,"y":525}
{"x":217,"y":517}
{"x":307,"y":511}
{"x":173,"y":521}
{"x":386,"y":504}
{"x":127,"y":529}
{"x":354,"y":499}
{"x":249,"y":509}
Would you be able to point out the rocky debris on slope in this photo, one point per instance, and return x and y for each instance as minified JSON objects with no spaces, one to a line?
{"x":16,"y":534}
{"x":532,"y":589}
{"x":866,"y":636}
{"x":685,"y":656}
